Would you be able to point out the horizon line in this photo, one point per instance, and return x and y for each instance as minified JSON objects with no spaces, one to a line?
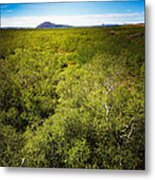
{"x":73,"y":26}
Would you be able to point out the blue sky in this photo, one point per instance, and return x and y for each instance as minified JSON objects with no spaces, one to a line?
{"x":75,"y":13}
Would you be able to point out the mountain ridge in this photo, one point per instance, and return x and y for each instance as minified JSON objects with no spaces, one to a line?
{"x":48,"y":25}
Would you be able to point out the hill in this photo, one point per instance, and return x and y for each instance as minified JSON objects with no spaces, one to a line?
{"x":48,"y":25}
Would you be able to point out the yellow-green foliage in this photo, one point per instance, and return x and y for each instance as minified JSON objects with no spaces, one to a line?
{"x":72,"y":98}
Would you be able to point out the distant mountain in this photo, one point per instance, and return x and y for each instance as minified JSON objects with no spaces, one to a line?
{"x":48,"y":25}
{"x":109,"y":25}
{"x":13,"y":28}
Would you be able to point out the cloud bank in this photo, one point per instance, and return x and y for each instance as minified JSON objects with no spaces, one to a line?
{"x":78,"y":20}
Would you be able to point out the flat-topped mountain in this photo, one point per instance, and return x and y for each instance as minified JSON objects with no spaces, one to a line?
{"x":47,"y":25}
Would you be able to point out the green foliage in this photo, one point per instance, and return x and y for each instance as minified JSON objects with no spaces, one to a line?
{"x":10,"y":146}
{"x":72,"y":98}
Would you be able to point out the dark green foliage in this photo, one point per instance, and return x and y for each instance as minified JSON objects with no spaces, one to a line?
{"x":72,"y":98}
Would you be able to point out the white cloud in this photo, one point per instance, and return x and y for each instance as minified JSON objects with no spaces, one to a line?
{"x":78,"y":20}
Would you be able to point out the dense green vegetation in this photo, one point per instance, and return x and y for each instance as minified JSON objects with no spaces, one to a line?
{"x":72,"y":98}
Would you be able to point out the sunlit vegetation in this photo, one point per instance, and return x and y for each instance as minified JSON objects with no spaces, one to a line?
{"x":72,"y":98}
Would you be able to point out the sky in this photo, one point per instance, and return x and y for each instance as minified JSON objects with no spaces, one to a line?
{"x":72,"y":13}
